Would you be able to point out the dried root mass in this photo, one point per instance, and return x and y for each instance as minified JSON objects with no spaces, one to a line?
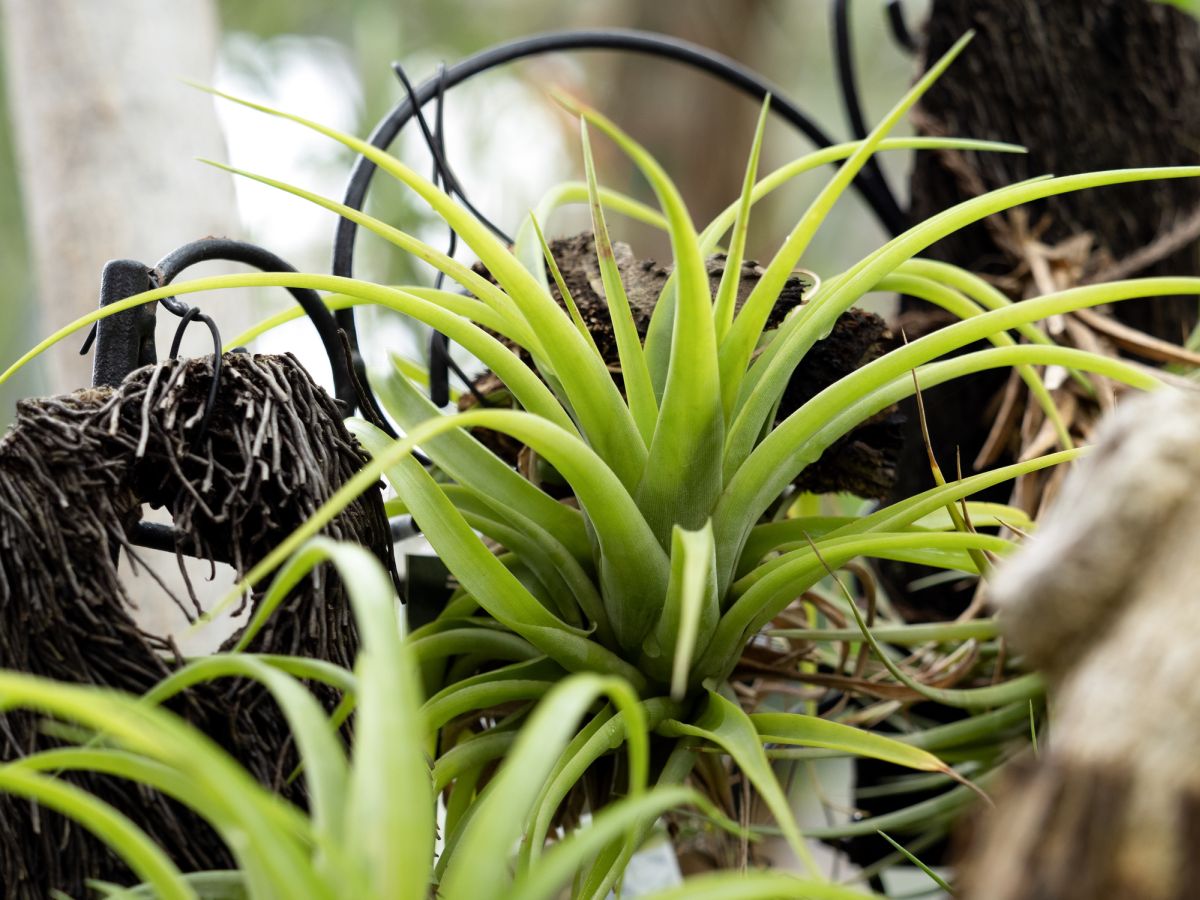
{"x":75,"y":471}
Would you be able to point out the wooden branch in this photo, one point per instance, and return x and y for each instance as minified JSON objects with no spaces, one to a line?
{"x":1104,"y":602}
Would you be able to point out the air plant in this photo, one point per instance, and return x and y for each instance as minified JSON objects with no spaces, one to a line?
{"x":371,"y":828}
{"x":676,"y":557}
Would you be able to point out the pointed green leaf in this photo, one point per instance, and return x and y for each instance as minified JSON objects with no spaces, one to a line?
{"x":477,"y":569}
{"x":810,"y":731}
{"x":770,"y":373}
{"x":683,"y":472}
{"x":743,"y":337}
{"x":756,"y":886}
{"x":634,"y":374}
{"x":215,"y":885}
{"x":606,"y":732}
{"x":133,"y":845}
{"x":731,"y":278}
{"x":568,"y":856}
{"x":526,"y":248}
{"x":478,"y":866}
{"x":692,"y":607}
{"x":602,"y":414}
{"x":526,"y":680}
{"x":321,"y":753}
{"x":785,"y":451}
{"x":468,"y":462}
{"x":508,"y":318}
{"x":530,"y":390}
{"x":563,"y":290}
{"x":725,"y":724}
{"x":245,"y":814}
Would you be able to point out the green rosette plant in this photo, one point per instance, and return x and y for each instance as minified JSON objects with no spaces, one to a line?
{"x":676,"y":554}
{"x":371,"y":828}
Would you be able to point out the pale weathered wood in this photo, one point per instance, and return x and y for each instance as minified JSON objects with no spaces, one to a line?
{"x":1104,"y":601}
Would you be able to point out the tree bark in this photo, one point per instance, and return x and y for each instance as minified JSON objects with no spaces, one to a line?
{"x":1085,"y":85}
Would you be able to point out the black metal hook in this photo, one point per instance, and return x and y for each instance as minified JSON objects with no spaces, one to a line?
{"x":844,"y":56}
{"x":194,"y":313}
{"x":125,"y":342}
{"x":128,"y":278}
{"x":175,"y":262}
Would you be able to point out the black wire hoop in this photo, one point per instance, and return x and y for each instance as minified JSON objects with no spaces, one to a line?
{"x":869,"y":182}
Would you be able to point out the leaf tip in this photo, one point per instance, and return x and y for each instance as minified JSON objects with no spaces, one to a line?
{"x":567,"y":101}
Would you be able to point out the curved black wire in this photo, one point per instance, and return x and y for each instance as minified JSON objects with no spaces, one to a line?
{"x":844,"y":60}
{"x":844,"y":57}
{"x":175,"y":262}
{"x":193,"y":312}
{"x":899,"y":27}
{"x":439,"y":343}
{"x":441,"y":363}
{"x":441,"y":166}
{"x":868,"y":183}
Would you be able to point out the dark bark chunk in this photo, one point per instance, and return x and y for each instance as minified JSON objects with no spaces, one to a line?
{"x":862,"y":463}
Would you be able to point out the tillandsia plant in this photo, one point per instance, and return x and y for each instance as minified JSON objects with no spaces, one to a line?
{"x":371,"y":828}
{"x":682,"y":557}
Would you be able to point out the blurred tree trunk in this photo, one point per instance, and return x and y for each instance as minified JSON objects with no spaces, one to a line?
{"x":670,"y":108}
{"x":1084,"y":85}
{"x":105,"y":139}
{"x":18,"y":314}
